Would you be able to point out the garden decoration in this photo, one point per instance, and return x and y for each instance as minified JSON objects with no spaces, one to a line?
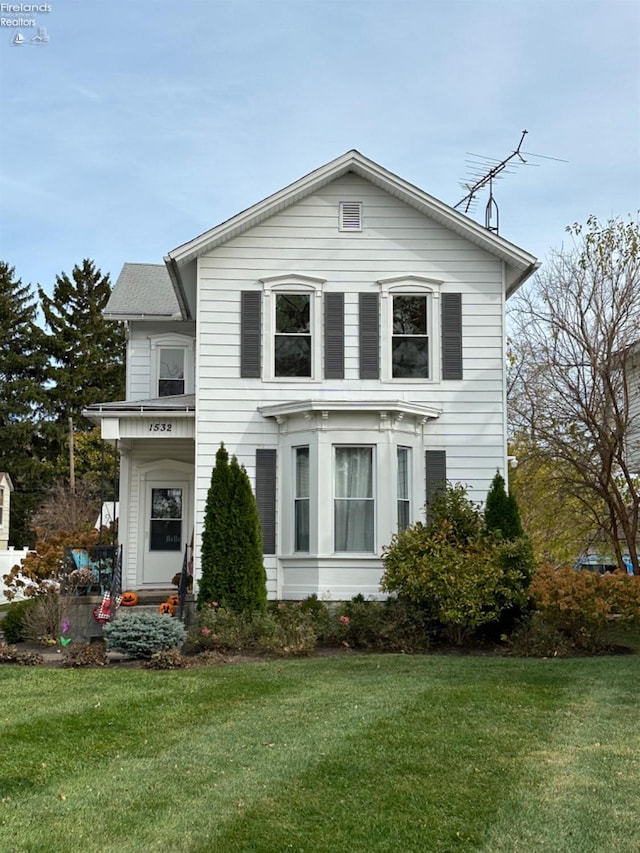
{"x":102,"y":613}
{"x":167,"y":608}
{"x":129,"y":598}
{"x":174,"y":599}
{"x":64,"y":640}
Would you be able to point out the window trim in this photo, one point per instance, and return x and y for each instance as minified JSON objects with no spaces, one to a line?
{"x":293,"y":284}
{"x":172,"y":341}
{"x":410,"y":285}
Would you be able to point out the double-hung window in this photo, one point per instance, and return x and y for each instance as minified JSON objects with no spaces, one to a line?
{"x":404,"y":495}
{"x":293,"y":344}
{"x":1,"y":504}
{"x":171,"y":371}
{"x":410,"y":339}
{"x":354,"y":502}
{"x":301,"y":500}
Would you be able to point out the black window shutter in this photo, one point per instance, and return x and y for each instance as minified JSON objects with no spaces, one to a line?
{"x":369,"y":336}
{"x":266,"y":497}
{"x":250,"y":332}
{"x":334,"y":335}
{"x":436,"y":474}
{"x":452,"y":336}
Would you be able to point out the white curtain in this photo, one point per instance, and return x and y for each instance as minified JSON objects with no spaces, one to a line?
{"x":354,"y":502}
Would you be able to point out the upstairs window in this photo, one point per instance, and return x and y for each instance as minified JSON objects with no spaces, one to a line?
{"x":410,"y":339}
{"x":171,"y":372}
{"x":292,"y":344}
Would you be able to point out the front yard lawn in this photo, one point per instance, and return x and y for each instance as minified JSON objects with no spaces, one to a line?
{"x":354,"y":753}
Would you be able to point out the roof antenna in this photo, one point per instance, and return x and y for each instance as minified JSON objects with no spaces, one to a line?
{"x":486,"y":170}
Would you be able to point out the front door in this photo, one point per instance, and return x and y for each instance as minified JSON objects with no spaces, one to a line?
{"x":166,"y":527}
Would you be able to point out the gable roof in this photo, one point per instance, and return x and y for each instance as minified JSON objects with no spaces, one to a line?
{"x":519,"y":264}
{"x":143,"y":290}
{"x":7,"y":478}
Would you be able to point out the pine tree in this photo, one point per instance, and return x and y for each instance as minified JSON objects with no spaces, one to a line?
{"x":233,"y":573}
{"x":501,"y":513}
{"x":87,"y":350}
{"x":23,"y":357}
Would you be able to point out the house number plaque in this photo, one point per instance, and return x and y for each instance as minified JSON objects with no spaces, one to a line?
{"x":160,"y":426}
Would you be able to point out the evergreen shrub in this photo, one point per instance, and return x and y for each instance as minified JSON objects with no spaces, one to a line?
{"x":141,"y":635}
{"x":13,"y":622}
{"x":233,"y":571}
{"x":461,"y":574}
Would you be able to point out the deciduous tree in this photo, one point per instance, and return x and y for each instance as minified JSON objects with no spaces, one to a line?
{"x":575,"y":327}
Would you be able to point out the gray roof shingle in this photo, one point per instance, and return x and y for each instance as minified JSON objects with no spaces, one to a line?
{"x":142,"y":290}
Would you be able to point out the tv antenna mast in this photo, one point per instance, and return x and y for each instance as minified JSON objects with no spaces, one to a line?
{"x":485,"y":171}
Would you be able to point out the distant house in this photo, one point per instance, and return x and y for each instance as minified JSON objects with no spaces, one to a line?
{"x":6,"y":487}
{"x":345,"y":339}
{"x":633,"y":436}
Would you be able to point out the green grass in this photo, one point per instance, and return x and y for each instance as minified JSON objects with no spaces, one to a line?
{"x":363,"y":753}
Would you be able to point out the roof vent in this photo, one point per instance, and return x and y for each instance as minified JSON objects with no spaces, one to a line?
{"x":350,"y":216}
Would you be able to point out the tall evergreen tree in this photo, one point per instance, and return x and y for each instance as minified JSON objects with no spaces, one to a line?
{"x":23,"y":357}
{"x":501,"y":513}
{"x":233,"y":573}
{"x":87,"y":351}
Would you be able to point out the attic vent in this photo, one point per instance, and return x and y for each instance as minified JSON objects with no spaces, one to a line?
{"x":350,"y":216}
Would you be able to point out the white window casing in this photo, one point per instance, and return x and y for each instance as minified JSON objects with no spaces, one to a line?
{"x":281,"y":285}
{"x":411,"y":285}
{"x":160,"y":343}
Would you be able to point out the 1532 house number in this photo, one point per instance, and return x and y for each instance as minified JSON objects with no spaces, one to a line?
{"x":160,"y":427}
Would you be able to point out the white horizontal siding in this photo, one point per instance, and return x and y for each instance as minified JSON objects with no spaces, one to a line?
{"x":396,"y":240}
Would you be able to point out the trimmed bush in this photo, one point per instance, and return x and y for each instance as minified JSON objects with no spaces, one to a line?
{"x":224,"y":630}
{"x":463,"y":576}
{"x":169,"y":659}
{"x":12,"y":623}
{"x":536,"y":638}
{"x":582,"y":605}
{"x":141,"y":635}
{"x":81,"y":655}
{"x":10,"y":654}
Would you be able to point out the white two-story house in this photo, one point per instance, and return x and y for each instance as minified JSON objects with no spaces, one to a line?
{"x":345,"y":339}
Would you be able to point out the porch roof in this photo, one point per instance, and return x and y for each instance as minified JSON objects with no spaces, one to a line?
{"x":176,"y":405}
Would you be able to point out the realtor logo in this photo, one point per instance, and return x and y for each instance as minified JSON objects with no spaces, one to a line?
{"x":41,"y":38}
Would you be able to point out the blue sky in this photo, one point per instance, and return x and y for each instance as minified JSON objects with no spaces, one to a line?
{"x":142,"y":123}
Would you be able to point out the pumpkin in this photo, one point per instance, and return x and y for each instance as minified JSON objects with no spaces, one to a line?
{"x":174,"y":599}
{"x":167,"y":608}
{"x":129,"y":598}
